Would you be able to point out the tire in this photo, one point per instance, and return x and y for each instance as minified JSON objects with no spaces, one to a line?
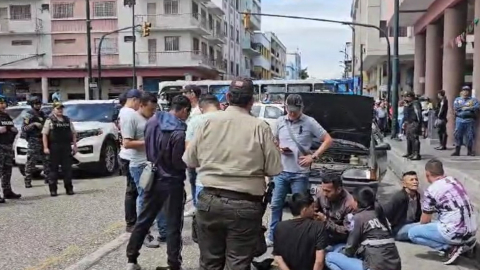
{"x":36,"y":175}
{"x":108,"y":163}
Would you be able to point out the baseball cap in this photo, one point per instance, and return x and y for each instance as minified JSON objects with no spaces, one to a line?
{"x":3,"y":99}
{"x":58,"y":104}
{"x":133,"y":93}
{"x":294,"y":103}
{"x":244,"y":85}
{"x":466,"y":88}
{"x":192,"y":89}
{"x":410,"y":94}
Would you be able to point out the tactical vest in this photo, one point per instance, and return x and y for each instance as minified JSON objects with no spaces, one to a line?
{"x":8,"y":137}
{"x":61,"y":132}
{"x":36,"y":117}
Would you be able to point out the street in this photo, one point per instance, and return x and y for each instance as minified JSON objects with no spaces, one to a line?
{"x":40,"y":233}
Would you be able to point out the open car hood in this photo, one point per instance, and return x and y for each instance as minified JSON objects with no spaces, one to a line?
{"x":345,"y":117}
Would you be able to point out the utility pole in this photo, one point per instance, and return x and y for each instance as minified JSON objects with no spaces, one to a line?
{"x":396,"y":68}
{"x":89,"y":49}
{"x":353,"y":55}
{"x":361,"y":69}
{"x":134,"y":56}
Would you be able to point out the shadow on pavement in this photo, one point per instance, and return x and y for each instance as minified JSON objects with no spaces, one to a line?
{"x":28,"y":199}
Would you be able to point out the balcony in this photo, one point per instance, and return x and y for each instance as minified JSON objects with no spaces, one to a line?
{"x":80,"y":60}
{"x":255,"y":23}
{"x":250,"y":48}
{"x":221,"y":65}
{"x":216,"y":37}
{"x":193,"y":22}
{"x":175,"y":59}
{"x":32,"y":26}
{"x":215,"y":9}
{"x":9,"y":61}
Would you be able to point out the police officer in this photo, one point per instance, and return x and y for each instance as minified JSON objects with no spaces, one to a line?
{"x":466,"y":108}
{"x":58,"y":137}
{"x":413,"y":126}
{"x":32,"y":132}
{"x":8,"y":132}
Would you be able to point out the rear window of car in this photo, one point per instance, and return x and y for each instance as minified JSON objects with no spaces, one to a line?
{"x":256,"y":110}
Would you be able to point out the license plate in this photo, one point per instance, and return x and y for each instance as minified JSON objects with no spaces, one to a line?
{"x":313,"y":189}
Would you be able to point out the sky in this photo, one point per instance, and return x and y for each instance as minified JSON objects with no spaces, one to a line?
{"x":319,"y":43}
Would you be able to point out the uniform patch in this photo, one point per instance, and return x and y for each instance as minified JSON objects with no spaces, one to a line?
{"x":26,"y":120}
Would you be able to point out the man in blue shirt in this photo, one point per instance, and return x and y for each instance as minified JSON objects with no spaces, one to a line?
{"x":295,"y":134}
{"x":466,"y":108}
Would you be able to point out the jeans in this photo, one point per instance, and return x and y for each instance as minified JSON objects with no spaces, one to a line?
{"x":402,"y":234}
{"x":198,"y":188}
{"x":136,"y":172}
{"x":339,"y":261}
{"x":131,"y":195}
{"x":284,"y":182}
{"x":335,"y":248}
{"x":158,"y":196}
{"x":430,"y":236}
{"x":192,"y":178}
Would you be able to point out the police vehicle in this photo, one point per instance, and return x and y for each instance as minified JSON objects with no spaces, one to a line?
{"x":97,"y":136}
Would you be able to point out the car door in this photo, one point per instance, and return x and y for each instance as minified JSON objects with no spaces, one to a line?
{"x":271,"y":114}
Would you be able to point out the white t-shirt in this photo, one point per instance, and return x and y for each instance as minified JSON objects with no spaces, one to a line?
{"x":125,"y":113}
{"x":134,"y":128}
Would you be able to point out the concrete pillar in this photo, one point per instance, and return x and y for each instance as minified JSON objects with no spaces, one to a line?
{"x":86,"y":87}
{"x":419,"y":68}
{"x":44,"y":89}
{"x":433,"y":60}
{"x":476,"y":68}
{"x":139,"y":82}
{"x":455,"y":22}
{"x":188,"y":77}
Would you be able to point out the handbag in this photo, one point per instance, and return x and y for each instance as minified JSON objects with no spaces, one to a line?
{"x":148,"y":174}
{"x":439,"y":122}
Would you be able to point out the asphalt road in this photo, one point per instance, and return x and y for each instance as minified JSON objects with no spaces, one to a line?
{"x":43,"y":233}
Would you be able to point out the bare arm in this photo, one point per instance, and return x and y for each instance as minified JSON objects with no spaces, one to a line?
{"x":425,"y":218}
{"x":281,"y":263}
{"x":45,"y":141}
{"x":319,"y":260}
{"x":132,"y":144}
{"x":327,"y":142}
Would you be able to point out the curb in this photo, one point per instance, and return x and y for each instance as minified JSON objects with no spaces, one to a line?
{"x":398,"y":165}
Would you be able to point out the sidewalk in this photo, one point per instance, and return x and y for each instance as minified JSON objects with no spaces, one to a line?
{"x":465,"y":168}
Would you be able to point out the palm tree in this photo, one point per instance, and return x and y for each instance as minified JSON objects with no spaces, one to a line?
{"x":303,"y":74}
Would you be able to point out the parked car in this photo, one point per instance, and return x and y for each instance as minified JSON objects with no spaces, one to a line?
{"x":268,"y":112}
{"x":358,"y":153}
{"x":97,"y":136}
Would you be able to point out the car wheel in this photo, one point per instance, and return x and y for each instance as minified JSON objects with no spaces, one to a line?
{"x":108,"y":163}
{"x":37,"y":174}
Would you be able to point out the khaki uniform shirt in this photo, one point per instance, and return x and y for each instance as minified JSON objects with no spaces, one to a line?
{"x":234,"y":151}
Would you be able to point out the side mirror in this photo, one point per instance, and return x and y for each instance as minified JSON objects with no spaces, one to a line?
{"x":383,"y":147}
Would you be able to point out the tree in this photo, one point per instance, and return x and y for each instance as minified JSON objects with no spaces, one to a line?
{"x":303,"y":74}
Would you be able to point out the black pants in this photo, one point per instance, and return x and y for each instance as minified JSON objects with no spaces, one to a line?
{"x":131,"y":195}
{"x":60,"y":155}
{"x":413,"y":131}
{"x":228,"y":231}
{"x":442,"y":134}
{"x":154,"y":200}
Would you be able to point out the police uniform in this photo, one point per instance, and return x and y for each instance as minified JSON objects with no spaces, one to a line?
{"x":7,"y":137}
{"x":33,"y":135}
{"x":465,"y":118}
{"x":59,"y":131}
{"x":413,"y":128}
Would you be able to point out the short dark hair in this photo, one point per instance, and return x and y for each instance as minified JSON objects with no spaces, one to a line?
{"x":335,"y":180}
{"x":122,"y":99}
{"x":148,"y":97}
{"x":434,"y":167}
{"x":208,"y":99}
{"x":180,"y":102}
{"x":409,"y":173}
{"x":441,"y":93}
{"x":299,"y":201}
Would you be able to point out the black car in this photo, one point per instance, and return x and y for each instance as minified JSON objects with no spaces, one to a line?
{"x":358,"y":153}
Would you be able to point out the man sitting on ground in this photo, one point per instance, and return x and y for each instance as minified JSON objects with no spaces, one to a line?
{"x":334,"y":204}
{"x":300,"y":242}
{"x":403,"y":210}
{"x":456,"y":227}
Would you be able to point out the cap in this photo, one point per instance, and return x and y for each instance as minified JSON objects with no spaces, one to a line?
{"x":3,"y":99}
{"x":192,"y":89}
{"x":244,"y":85}
{"x":410,"y":94}
{"x":35,"y":100}
{"x":294,"y":103}
{"x":57,"y":104}
{"x":133,"y":93}
{"x":466,"y":88}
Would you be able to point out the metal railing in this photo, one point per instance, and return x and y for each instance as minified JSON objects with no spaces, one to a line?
{"x":174,"y":21}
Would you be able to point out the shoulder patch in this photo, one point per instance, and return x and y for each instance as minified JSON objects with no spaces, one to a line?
{"x":26,"y":120}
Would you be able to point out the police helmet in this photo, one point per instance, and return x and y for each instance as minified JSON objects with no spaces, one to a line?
{"x":34,"y":100}
{"x":3,"y":99}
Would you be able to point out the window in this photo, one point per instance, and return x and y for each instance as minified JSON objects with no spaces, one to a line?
{"x":225,"y":28}
{"x":109,"y":45}
{"x":237,"y":69}
{"x":20,"y":13}
{"x":105,"y":9}
{"x":195,"y":10}
{"x":231,"y":67}
{"x":238,"y":36}
{"x":170,"y":6}
{"x":256,"y":110}
{"x":64,"y":41}
{"x":196,"y":45}
{"x":237,"y":5}
{"x":21,"y":42}
{"x":128,"y":39}
{"x":232,"y":34}
{"x":204,"y":49}
{"x":299,"y":88}
{"x":402,"y":31}
{"x":62,"y":10}
{"x":172,"y":44}
{"x":272,"y":112}
{"x":95,"y":112}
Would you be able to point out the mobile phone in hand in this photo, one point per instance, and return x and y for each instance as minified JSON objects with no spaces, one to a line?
{"x":286,"y":150}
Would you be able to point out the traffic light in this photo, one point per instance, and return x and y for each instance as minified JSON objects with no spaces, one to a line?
{"x":146,"y":29}
{"x":246,"y":20}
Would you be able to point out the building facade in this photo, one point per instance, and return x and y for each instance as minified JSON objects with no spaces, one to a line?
{"x":374,"y":46}
{"x":44,"y":44}
{"x":278,"y":56}
{"x":293,"y":66}
{"x":250,"y":48}
{"x":445,"y":57}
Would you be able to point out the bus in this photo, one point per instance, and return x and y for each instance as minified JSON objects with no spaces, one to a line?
{"x":273,"y":90}
{"x":8,"y":90}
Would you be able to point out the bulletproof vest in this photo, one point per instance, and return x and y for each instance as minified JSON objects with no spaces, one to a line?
{"x":410,"y":114}
{"x":61,"y":132}
{"x":8,"y":137}
{"x":36,"y":117}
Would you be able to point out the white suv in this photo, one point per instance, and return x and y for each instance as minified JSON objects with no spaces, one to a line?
{"x":97,"y":136}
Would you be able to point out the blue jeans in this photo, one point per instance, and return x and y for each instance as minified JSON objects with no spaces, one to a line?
{"x":464,"y":129}
{"x":284,"y":182}
{"x":339,"y":261}
{"x":192,"y":178}
{"x":402,"y":234}
{"x":136,"y":172}
{"x":335,"y":248}
{"x":198,"y":188}
{"x":430,"y":236}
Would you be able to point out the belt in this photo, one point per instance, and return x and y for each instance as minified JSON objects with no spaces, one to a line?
{"x":233,"y":195}
{"x":378,"y":242}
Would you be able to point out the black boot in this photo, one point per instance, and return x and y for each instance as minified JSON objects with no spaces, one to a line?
{"x":2,"y":200}
{"x":28,"y":185}
{"x":69,"y":191}
{"x":53,"y":190}
{"x":456,"y":153}
{"x":470,"y":152}
{"x":443,"y":142}
{"x":9,"y":194}
{"x":409,"y":149}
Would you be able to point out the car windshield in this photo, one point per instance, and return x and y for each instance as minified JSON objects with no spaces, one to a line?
{"x":14,"y":112}
{"x":95,"y":112}
{"x":18,"y":120}
{"x":256,"y":110}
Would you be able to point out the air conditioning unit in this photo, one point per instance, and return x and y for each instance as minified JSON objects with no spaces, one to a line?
{"x":410,"y":32}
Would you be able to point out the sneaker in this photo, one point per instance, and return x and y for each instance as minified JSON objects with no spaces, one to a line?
{"x":2,"y":200}
{"x":269,"y":242}
{"x":151,"y":242}
{"x":28,"y":185}
{"x":9,"y":194}
{"x":453,"y":254}
{"x":133,"y":266}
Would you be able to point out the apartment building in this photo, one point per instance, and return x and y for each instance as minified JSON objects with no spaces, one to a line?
{"x":293,"y":66}
{"x":44,"y":44}
{"x":374,"y":46}
{"x":250,"y":49}
{"x":278,"y":56}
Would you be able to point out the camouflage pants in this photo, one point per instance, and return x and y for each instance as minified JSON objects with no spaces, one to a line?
{"x":34,"y":155}
{"x":6,"y":164}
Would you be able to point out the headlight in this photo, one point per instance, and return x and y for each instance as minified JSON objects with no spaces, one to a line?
{"x":88,"y":133}
{"x":357,"y":174}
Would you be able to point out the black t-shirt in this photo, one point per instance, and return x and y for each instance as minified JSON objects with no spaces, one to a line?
{"x":297,"y":241}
